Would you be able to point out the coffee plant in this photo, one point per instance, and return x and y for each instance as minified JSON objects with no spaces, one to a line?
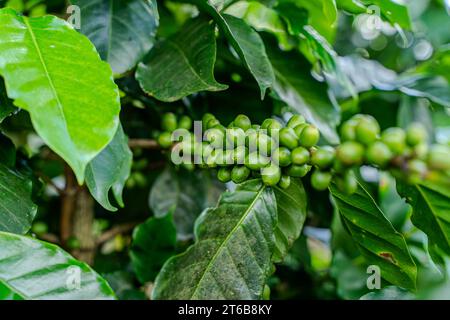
{"x":224,"y":149}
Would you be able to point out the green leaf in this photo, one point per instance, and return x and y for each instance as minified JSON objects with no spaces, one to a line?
{"x":389,"y":293}
{"x":110,"y":170}
{"x":261,"y":18}
{"x":181,"y":65}
{"x":437,"y":89}
{"x":297,"y":88}
{"x":6,"y":106}
{"x":322,"y":14}
{"x":17,"y":209}
{"x":36,"y":270}
{"x":291,"y":214}
{"x":153,"y":244}
{"x":122,"y":31}
{"x":7,"y":151}
{"x":232,"y":254}
{"x":187,"y":194}
{"x":378,"y":241}
{"x":75,"y":111}
{"x":431,"y":210}
{"x":246,"y":42}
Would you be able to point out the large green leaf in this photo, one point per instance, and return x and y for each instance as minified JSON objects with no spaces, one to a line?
{"x":246,"y":42}
{"x":182,"y":64}
{"x":153,"y":244}
{"x":6,"y":106}
{"x":232,"y":254}
{"x":36,"y":270}
{"x":122,"y":31}
{"x":431,"y":210}
{"x":298,"y":89}
{"x":110,"y":170}
{"x":187,"y":194}
{"x":375,"y":236}
{"x":17,"y":209}
{"x":291,"y":215}
{"x":55,"y":73}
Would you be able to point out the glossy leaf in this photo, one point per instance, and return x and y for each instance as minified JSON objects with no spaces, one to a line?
{"x":35,"y":270}
{"x":291,"y":215}
{"x":378,"y":241}
{"x":182,"y":64}
{"x":232,"y":254}
{"x":246,"y":42}
{"x":75,"y":111}
{"x":300,"y":91}
{"x":187,"y":194}
{"x":7,"y":151}
{"x":321,"y":14}
{"x":122,"y":31}
{"x":17,"y":209}
{"x":431,"y":210}
{"x":153,"y":244}
{"x":110,"y":170}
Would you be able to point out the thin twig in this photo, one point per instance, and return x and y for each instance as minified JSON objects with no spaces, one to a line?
{"x":49,"y":237}
{"x":50,"y":182}
{"x":144,"y":144}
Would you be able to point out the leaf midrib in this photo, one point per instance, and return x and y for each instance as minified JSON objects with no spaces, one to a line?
{"x":47,"y":74}
{"x":219,"y":249}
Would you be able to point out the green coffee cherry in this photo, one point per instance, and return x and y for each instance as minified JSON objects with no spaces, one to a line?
{"x":212,"y":123}
{"x":323,"y":158}
{"x":274,"y":126}
{"x":206,"y":117}
{"x":240,"y":154}
{"x":320,"y":180}
{"x":185,"y":123}
{"x":266,"y":123}
{"x":367,"y":130}
{"x":243,"y":122}
{"x":299,"y":129}
{"x":282,"y":156}
{"x":296,"y":120}
{"x":421,"y":151}
{"x":165,"y":140}
{"x":348,"y":183}
{"x":271,"y":175}
{"x":235,"y":137}
{"x":215,"y":137}
{"x":288,"y":138}
{"x":264,"y":143}
{"x":169,"y":122}
{"x":395,"y":139}
{"x":256,"y":161}
{"x":348,"y":130}
{"x":379,"y":154}
{"x":285,"y":182}
{"x":350,"y":153}
{"x":239,"y":174}
{"x":416,"y":134}
{"x":300,"y":156}
{"x":298,"y":171}
{"x":439,"y":157}
{"x":224,"y":174}
{"x":309,"y":137}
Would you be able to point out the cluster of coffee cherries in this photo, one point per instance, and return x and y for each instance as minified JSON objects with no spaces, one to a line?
{"x":275,"y":152}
